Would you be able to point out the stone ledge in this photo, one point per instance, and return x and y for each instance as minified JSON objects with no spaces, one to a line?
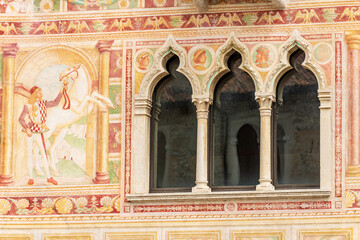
{"x":277,"y":194}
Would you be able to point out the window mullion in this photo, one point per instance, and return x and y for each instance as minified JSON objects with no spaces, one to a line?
{"x":202,"y":110}
{"x":265,"y":101}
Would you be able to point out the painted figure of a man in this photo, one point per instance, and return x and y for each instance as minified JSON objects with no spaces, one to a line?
{"x":33,"y":120}
{"x":144,"y":61}
{"x":199,"y":59}
{"x":262,"y":57}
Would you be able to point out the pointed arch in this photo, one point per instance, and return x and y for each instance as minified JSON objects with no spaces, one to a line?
{"x":295,"y":42}
{"x":222,"y":55}
{"x":158,"y":71}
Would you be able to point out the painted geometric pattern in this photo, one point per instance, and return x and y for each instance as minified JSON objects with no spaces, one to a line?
{"x":240,"y":206}
{"x":214,"y":20}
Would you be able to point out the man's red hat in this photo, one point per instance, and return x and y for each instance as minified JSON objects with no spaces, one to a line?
{"x":33,"y":89}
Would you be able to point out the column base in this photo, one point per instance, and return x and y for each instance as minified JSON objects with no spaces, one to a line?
{"x":6,"y":180}
{"x":101,"y":178}
{"x":265,"y":185}
{"x":353,"y":171}
{"x":201,"y":188}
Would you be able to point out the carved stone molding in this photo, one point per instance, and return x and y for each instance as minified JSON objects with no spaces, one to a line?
{"x":142,"y":106}
{"x":277,"y":194}
{"x":222,"y":55}
{"x":202,"y":106}
{"x":265,"y":100}
{"x":158,"y":71}
{"x":296,"y":41}
{"x":325,"y":98}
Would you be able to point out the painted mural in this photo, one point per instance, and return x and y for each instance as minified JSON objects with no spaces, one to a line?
{"x":54,"y":134}
{"x":72,"y":73}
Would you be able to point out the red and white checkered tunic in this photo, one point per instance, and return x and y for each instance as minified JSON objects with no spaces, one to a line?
{"x":38,"y":115}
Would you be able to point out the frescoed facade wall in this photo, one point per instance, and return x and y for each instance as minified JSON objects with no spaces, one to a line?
{"x":98,"y":64}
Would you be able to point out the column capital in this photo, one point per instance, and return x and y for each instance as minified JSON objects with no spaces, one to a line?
{"x":142,"y":106}
{"x":265,"y":100}
{"x":104,"y":45}
{"x":202,"y":106}
{"x":9,"y":49}
{"x":353,"y":39}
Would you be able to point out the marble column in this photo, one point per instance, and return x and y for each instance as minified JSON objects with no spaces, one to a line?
{"x":353,"y":89}
{"x":8,"y":84}
{"x":265,"y":101}
{"x":102,"y":162}
{"x":202,"y":110}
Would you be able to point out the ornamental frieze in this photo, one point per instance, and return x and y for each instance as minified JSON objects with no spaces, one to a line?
{"x":287,"y":17}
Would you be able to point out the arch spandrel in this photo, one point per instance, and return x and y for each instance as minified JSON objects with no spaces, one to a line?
{"x":296,"y":41}
{"x":158,"y":71}
{"x":232,"y":45}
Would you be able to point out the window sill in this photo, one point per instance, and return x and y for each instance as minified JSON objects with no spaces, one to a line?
{"x":186,"y":196}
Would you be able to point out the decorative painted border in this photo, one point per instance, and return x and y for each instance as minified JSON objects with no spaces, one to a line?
{"x":67,"y":236}
{"x":91,"y":204}
{"x":338,"y":119}
{"x":191,"y":235}
{"x":250,"y":39}
{"x":348,"y":233}
{"x":258,"y":234}
{"x":179,"y":208}
{"x":128,"y":118}
{"x":215,"y":216}
{"x":16,"y":237}
{"x":130,"y":236}
{"x":101,"y":24}
{"x":284,"y":206}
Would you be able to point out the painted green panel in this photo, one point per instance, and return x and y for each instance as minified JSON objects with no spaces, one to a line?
{"x":115,"y":97}
{"x":114,"y":171}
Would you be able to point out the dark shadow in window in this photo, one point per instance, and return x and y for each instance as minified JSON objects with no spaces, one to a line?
{"x":296,"y":122}
{"x":234,"y":107}
{"x":248,"y":155}
{"x":173,"y":133}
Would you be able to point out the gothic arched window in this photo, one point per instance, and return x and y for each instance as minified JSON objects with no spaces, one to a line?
{"x":296,"y":128}
{"x":235,"y":127}
{"x":173,"y":133}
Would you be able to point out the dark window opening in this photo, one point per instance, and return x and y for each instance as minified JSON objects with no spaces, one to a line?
{"x":296,"y":128}
{"x":173,"y":133}
{"x":235,"y":121}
